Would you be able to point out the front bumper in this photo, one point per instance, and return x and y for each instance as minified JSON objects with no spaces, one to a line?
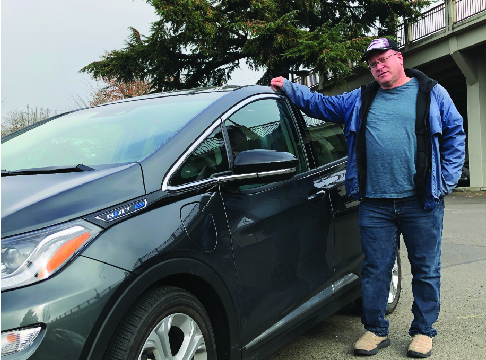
{"x":67,"y":306}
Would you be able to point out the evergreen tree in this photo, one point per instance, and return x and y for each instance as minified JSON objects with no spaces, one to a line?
{"x":200,"y":42}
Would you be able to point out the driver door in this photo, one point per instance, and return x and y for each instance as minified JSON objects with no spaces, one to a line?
{"x":282,"y":255}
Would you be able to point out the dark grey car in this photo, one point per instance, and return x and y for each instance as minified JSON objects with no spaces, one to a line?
{"x":186,"y":225}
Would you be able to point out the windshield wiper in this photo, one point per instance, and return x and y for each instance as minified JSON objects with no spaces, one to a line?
{"x":48,"y":170}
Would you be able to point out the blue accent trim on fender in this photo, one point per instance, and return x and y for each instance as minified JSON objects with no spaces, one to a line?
{"x":122,"y":211}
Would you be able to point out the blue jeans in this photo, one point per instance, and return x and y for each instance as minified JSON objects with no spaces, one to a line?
{"x":381,"y":222}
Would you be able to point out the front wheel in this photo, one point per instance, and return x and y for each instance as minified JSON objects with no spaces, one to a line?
{"x":164,"y":323}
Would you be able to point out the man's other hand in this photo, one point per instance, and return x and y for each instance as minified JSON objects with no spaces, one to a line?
{"x":277,"y":83}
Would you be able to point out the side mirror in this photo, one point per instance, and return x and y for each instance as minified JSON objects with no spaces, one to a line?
{"x":257,"y":166}
{"x":258,"y":161}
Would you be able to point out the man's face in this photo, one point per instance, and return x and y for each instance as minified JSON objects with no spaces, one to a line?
{"x":386,"y":67}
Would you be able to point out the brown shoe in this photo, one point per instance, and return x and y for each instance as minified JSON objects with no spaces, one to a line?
{"x":420,"y":347}
{"x":369,"y":344}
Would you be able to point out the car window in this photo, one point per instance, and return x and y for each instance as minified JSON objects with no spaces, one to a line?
{"x":207,"y":160}
{"x":107,"y":134}
{"x":265,"y":124}
{"x":328,"y":141}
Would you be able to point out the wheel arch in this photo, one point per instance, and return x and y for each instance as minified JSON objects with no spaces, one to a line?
{"x":188,"y":274}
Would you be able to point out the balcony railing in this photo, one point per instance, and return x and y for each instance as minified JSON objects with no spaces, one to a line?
{"x":430,"y":22}
{"x":468,"y":8}
{"x":434,"y":20}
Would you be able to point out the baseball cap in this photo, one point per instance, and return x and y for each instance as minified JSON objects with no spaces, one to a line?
{"x":379,"y":44}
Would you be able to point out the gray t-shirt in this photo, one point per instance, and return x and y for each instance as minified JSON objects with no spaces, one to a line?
{"x":391,"y":144}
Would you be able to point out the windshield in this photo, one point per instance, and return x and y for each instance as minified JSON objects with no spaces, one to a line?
{"x":110,"y":134}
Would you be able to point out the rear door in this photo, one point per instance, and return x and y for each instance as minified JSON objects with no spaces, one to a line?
{"x":281,"y":235}
{"x":329,"y":150}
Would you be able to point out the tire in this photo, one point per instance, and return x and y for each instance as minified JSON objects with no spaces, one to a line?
{"x":395,"y":285}
{"x":394,"y":290}
{"x":163,"y":323}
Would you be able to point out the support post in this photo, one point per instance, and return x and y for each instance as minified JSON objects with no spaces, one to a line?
{"x":476,"y":118}
{"x":408,"y":32}
{"x":450,"y":15}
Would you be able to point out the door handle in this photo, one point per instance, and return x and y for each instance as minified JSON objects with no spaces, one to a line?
{"x":318,"y":195}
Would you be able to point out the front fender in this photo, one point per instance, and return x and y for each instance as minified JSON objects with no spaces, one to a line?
{"x":107,"y":323}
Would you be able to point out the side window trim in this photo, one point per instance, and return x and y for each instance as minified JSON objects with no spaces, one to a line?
{"x":299,"y":129}
{"x":238,"y":107}
{"x":209,"y":130}
{"x":247,"y":101}
{"x":254,"y":98}
{"x":306,"y":138}
{"x":183,"y":158}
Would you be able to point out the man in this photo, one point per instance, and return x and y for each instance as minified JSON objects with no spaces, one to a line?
{"x":405,"y":153}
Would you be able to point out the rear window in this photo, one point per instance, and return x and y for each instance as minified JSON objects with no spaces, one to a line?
{"x":328,"y":141}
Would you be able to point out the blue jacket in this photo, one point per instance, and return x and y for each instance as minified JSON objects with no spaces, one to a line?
{"x":445,"y":129}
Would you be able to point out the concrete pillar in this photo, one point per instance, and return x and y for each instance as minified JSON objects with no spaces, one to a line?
{"x":408,"y":32}
{"x":450,"y":14}
{"x":476,"y":117}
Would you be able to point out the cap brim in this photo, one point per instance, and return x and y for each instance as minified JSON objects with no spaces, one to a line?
{"x":365,"y":55}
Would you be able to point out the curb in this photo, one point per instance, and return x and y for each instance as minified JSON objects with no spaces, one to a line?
{"x":468,"y":189}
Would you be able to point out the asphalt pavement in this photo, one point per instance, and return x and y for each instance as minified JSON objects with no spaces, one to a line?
{"x":462,"y":320}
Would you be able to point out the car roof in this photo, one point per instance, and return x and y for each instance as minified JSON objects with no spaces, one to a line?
{"x":226,"y":88}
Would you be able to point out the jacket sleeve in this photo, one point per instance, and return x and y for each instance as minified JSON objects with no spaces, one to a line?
{"x":452,"y":143}
{"x":331,"y":108}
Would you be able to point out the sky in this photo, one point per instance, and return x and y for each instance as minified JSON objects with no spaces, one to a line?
{"x":44,"y":43}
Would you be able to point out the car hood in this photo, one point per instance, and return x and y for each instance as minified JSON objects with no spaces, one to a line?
{"x":30,"y":202}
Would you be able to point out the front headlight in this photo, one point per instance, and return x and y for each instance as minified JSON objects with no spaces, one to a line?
{"x":36,"y":255}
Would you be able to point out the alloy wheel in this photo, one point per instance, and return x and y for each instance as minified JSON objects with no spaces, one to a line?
{"x":177,"y":336}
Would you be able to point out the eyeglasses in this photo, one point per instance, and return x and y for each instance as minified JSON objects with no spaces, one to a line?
{"x":381,"y":60}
